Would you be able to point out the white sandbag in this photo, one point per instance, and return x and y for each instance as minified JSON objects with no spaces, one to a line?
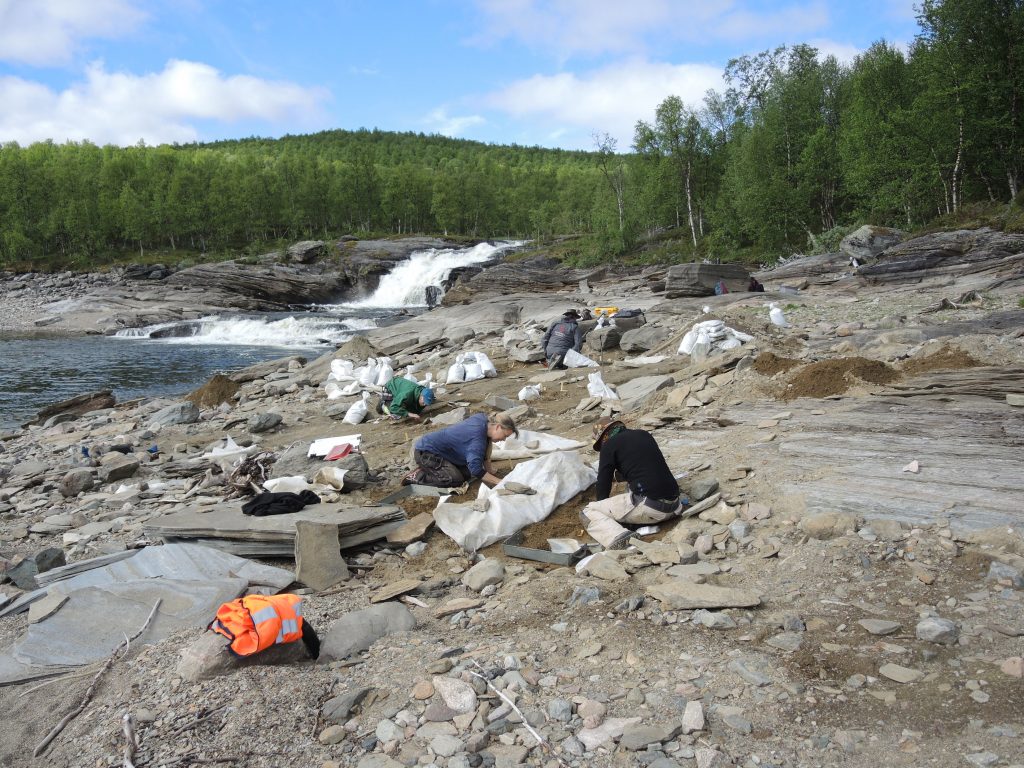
{"x":743,"y":338}
{"x":557,"y":477}
{"x":486,"y":365}
{"x":410,"y":375}
{"x":334,"y":390}
{"x":457,"y":371}
{"x":530,"y":444}
{"x":473,"y":371}
{"x":729,"y":344}
{"x":368,"y":373}
{"x":352,"y":388}
{"x":427,"y":381}
{"x":332,"y":476}
{"x":341,"y":370}
{"x":384,"y":375}
{"x":574,"y":359}
{"x":358,"y":410}
{"x":686,"y":345}
{"x":597,"y":387}
{"x":776,"y":316}
{"x":529,"y":392}
{"x":292,"y":484}
{"x":322,"y":446}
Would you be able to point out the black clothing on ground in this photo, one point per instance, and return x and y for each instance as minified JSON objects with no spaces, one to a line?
{"x":635,"y":455}
{"x":278,"y":503}
{"x":310,"y":639}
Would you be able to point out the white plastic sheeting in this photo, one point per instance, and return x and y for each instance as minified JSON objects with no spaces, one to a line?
{"x":597,"y":388}
{"x":574,"y":359}
{"x":530,"y":444}
{"x":229,"y":449}
{"x":557,"y":477}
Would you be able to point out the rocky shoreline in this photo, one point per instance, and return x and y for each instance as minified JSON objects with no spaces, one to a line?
{"x":852,"y":592}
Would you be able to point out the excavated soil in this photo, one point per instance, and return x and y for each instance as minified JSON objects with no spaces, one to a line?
{"x":219,"y":389}
{"x":946,"y":359}
{"x":833,"y":377}
{"x":768,"y":364}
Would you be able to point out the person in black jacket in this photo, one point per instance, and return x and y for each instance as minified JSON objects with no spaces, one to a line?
{"x":563,"y":335}
{"x":653,"y":494}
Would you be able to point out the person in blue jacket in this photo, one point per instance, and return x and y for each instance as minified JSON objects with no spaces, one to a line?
{"x":460,"y":453}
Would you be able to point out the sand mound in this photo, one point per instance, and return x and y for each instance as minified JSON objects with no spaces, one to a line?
{"x":833,"y":377}
{"x":219,"y":389}
{"x":945,"y":359}
{"x":768,"y":364}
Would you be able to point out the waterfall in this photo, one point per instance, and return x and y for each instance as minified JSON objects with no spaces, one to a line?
{"x":254,"y":331}
{"x":406,"y":284}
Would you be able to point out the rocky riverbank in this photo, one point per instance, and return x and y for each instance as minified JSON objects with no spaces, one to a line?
{"x":851,"y":592}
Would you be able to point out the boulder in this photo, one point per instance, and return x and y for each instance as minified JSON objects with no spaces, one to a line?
{"x":683,"y":280}
{"x":75,"y":481}
{"x":486,"y":572}
{"x":263,"y":422}
{"x":76,"y":406}
{"x":643,"y":338}
{"x":184,"y":412}
{"x":208,"y":657}
{"x":869,"y":241}
{"x":358,"y":630}
{"x":601,"y":339}
{"x":307,"y":251}
{"x":116,"y":466}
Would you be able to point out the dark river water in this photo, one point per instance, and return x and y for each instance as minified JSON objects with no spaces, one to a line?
{"x":38,"y":372}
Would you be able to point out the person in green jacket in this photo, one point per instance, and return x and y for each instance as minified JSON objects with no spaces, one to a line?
{"x":402,"y":397}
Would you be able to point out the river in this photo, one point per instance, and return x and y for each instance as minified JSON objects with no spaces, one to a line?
{"x":173,"y":359}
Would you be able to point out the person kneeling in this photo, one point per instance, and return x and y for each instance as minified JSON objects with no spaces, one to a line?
{"x":402,"y":398}
{"x":653,"y":495}
{"x":459,"y":453}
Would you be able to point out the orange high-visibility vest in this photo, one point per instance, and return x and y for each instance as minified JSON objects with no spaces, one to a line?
{"x":256,"y":622}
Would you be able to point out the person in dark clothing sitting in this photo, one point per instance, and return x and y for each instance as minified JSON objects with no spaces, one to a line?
{"x":653,"y":494}
{"x":754,"y":287}
{"x":562,"y":335}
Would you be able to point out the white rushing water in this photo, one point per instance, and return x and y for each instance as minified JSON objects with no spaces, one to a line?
{"x":406,"y":285}
{"x":254,"y":331}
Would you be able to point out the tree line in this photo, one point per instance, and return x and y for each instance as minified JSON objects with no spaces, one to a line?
{"x":798,"y":148}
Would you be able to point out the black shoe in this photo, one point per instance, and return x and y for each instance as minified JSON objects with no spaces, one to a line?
{"x":621,"y":541}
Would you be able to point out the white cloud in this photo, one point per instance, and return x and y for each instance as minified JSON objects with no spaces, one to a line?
{"x":844,"y":52}
{"x":451,"y":125}
{"x":47,"y":32}
{"x":611,"y":26}
{"x":121,"y":108}
{"x":608,"y":100}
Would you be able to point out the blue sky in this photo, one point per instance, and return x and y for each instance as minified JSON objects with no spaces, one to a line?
{"x":531,"y":72}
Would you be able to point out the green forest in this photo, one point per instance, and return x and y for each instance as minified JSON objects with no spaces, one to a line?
{"x":796,"y":151}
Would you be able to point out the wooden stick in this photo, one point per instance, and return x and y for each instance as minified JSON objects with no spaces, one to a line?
{"x":132,"y":745}
{"x":540,"y":739}
{"x":92,"y":687}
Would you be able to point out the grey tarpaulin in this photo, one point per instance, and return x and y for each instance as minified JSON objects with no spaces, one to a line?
{"x":109,"y":602}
